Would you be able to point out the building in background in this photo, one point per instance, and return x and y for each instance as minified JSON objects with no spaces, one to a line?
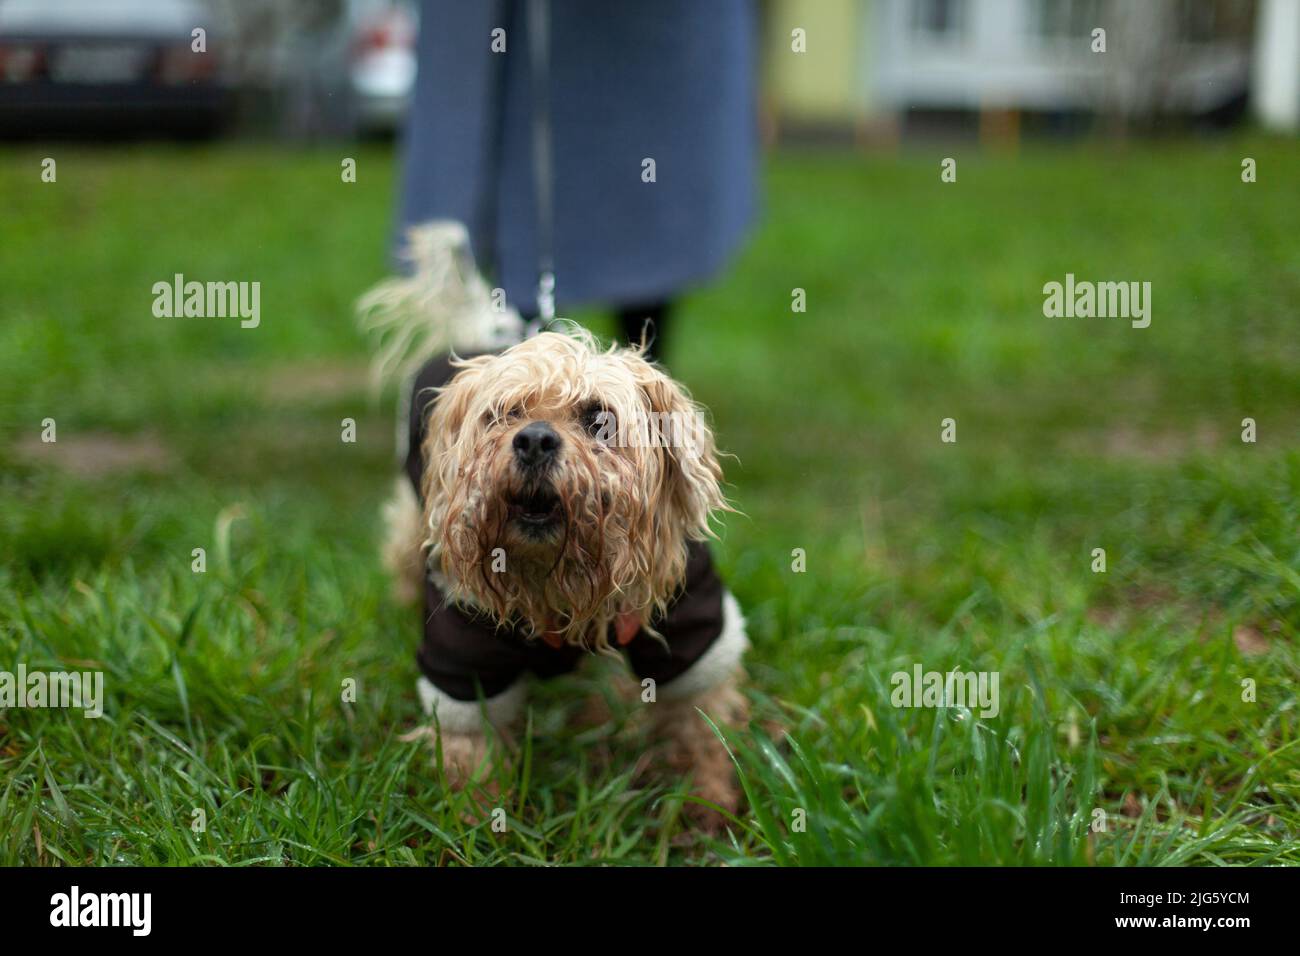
{"x":874,"y":65}
{"x":1275,"y":82}
{"x":818,"y":70}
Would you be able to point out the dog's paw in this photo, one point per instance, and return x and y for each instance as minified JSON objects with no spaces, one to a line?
{"x":694,"y":750}
{"x":715,"y":784}
{"x":466,"y":758}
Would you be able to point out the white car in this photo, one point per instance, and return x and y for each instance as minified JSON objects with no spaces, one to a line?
{"x":381,"y":63}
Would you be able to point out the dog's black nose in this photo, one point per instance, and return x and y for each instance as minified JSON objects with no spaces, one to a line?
{"x":536,"y":444}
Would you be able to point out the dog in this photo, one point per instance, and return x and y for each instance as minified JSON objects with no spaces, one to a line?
{"x":556,"y":503}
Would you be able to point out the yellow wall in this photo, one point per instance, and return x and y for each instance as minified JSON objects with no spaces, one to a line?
{"x":828,"y":82}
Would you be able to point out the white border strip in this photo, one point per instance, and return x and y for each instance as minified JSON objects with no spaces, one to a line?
{"x":464,"y":716}
{"x":719,"y":662}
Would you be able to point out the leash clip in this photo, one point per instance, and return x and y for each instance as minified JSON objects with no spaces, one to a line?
{"x":546,"y":297}
{"x":545,"y":304}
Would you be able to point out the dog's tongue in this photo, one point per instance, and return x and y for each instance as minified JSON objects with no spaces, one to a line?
{"x":625,"y":627}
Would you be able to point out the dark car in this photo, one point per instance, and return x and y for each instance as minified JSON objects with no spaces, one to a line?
{"x":110,"y":66}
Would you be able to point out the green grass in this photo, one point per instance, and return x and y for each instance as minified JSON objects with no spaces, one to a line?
{"x":1120,"y":692}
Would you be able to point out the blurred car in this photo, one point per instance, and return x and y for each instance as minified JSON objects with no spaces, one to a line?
{"x":341,"y":70}
{"x":109,"y":65}
{"x":381,"y":63}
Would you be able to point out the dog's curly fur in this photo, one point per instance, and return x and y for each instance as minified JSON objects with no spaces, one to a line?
{"x":635,"y":479}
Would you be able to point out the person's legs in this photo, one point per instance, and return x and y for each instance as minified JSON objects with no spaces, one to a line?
{"x":650,"y":319}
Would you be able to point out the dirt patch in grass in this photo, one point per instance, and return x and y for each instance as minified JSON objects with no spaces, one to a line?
{"x":1143,"y":602}
{"x":309,"y":383}
{"x":96,"y":454}
{"x":1133,"y":444}
{"x":313,"y":382}
{"x":1251,"y":638}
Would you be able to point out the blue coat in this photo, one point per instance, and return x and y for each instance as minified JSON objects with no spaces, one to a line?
{"x":669,"y":80}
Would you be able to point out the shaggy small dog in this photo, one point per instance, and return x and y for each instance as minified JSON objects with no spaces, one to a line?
{"x":556,"y":501}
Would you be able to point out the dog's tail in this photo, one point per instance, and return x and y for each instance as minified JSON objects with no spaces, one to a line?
{"x":441,"y":305}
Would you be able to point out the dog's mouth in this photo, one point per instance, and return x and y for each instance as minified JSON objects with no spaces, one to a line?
{"x":536,"y":510}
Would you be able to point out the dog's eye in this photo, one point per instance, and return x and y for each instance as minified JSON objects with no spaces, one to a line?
{"x":596,"y":419}
{"x":495,"y":415}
